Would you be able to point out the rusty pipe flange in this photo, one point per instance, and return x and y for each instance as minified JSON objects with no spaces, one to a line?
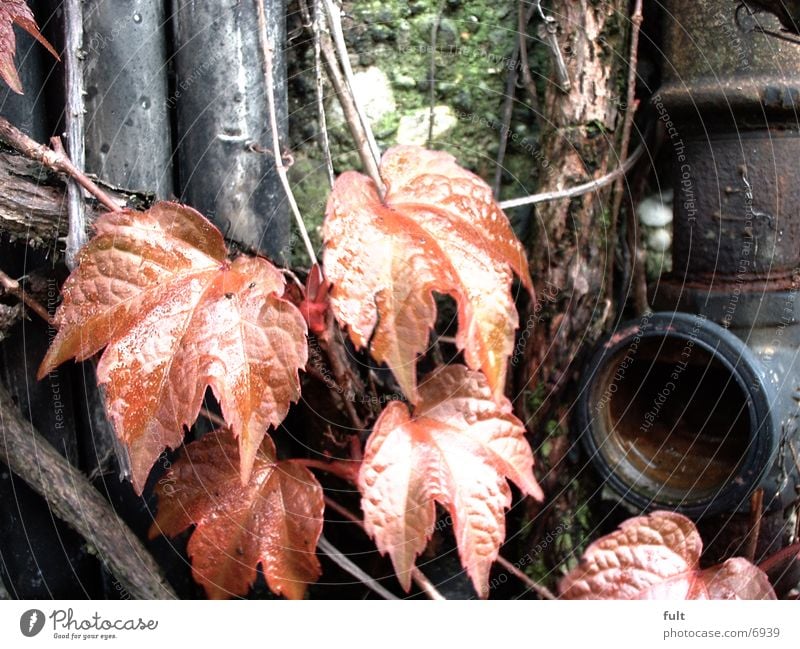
{"x":757,"y":303}
{"x":718,"y":63}
{"x":736,"y":207}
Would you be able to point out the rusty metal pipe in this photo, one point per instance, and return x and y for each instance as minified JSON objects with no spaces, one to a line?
{"x":697,"y":406}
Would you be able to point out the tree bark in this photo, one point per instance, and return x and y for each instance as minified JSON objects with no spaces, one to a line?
{"x":33,"y":202}
{"x":570,"y":257}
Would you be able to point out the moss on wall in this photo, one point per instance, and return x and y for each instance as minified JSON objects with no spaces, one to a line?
{"x":472,"y":57}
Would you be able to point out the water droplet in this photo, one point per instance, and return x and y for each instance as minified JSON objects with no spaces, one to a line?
{"x":145,"y":102}
{"x":137,"y":18}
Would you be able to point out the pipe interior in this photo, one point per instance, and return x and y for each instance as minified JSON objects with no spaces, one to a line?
{"x":676,"y":422}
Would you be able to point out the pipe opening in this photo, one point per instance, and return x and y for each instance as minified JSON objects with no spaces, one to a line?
{"x":676,"y":424}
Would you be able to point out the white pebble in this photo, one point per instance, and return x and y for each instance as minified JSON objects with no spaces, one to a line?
{"x":654,"y":213}
{"x":659,"y":240}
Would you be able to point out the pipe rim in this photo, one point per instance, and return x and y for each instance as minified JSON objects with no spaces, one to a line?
{"x":722,"y":346}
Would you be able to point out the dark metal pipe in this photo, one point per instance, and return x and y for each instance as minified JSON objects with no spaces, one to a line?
{"x":125,"y":77}
{"x":225,"y":160}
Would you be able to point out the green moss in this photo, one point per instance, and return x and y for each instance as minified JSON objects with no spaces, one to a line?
{"x":472,"y":58}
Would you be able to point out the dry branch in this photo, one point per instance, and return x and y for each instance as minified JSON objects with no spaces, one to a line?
{"x":33,"y":202}
{"x":74,"y":500}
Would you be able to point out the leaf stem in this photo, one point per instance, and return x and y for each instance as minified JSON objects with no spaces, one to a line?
{"x":335,"y":23}
{"x":269,"y":82}
{"x":344,"y":469}
{"x":787,"y":553}
{"x":55,"y":160}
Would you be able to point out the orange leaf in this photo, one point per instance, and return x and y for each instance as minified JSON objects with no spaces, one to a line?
{"x":658,"y":557}
{"x":16,"y":12}
{"x":458,"y":449}
{"x":275,"y":519}
{"x":177,"y":317}
{"x":438,"y":229}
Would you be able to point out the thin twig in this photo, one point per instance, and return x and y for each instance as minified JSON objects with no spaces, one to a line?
{"x":523,"y":18}
{"x":74,"y":500}
{"x":323,"y":121}
{"x":505,"y":128}
{"x":627,"y":127}
{"x":12,"y":287}
{"x":417,"y":575}
{"x":426,"y":585}
{"x":541,"y":591}
{"x":795,"y":456}
{"x":508,"y":103}
{"x":350,"y":114}
{"x":36,"y":213}
{"x":432,"y":73}
{"x":73,"y":64}
{"x":269,"y":81}
{"x":578,"y":190}
{"x":55,"y":160}
{"x":335,"y":25}
{"x":213,"y":418}
{"x":348,"y":566}
{"x":756,"y":511}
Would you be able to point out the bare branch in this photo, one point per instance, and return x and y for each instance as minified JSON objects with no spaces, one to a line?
{"x":12,"y":287}
{"x":350,"y":113}
{"x":33,"y":203}
{"x":73,"y":499}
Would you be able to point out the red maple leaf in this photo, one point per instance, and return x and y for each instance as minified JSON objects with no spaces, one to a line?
{"x":658,"y":557}
{"x":458,"y":449}
{"x":177,"y":317}
{"x":16,"y":12}
{"x":275,"y":519}
{"x":437,"y":229}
